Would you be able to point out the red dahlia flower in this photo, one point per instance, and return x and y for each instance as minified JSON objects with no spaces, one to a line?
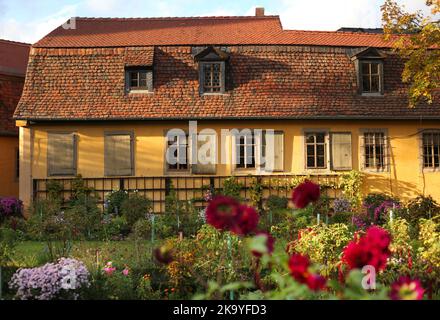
{"x":305,"y":193}
{"x":226,"y":213}
{"x":406,"y":288}
{"x":371,"y":249}
{"x":270,"y":241}
{"x":299,"y":269}
{"x":222,"y":212}
{"x":246,"y":221}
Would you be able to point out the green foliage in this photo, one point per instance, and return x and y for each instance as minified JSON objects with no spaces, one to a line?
{"x":54,"y":190}
{"x":256,"y":193}
{"x":114,"y":228}
{"x":420,"y":208}
{"x":142,"y":229}
{"x":135,"y":207}
{"x":83,"y":216}
{"x":420,"y":35}
{"x":351,"y":185}
{"x":323,"y":244}
{"x":8,"y":241}
{"x":232,"y":188}
{"x":275,"y":202}
{"x":114,"y":201}
{"x":429,"y":236}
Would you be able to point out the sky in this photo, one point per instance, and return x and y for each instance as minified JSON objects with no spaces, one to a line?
{"x":30,"y":20}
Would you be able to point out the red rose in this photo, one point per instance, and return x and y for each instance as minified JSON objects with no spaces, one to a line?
{"x":305,"y":193}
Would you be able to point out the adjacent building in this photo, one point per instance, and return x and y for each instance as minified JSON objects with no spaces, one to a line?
{"x":13,"y":63}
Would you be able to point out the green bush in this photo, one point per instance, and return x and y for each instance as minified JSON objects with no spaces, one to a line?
{"x":135,"y":207}
{"x":114,"y":227}
{"x":420,"y":208}
{"x":84,"y":217}
{"x":114,"y":201}
{"x":8,"y":241}
{"x":275,"y":202}
{"x":142,"y":229}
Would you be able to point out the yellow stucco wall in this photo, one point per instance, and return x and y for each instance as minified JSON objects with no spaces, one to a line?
{"x":8,"y":156}
{"x":405,"y":179}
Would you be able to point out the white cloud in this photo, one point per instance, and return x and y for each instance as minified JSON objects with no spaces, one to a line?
{"x":33,"y":30}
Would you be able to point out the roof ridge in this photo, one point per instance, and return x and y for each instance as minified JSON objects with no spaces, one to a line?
{"x":15,"y":42}
{"x":333,"y":32}
{"x":180,"y":18}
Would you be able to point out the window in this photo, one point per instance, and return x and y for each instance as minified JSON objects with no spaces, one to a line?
{"x":212,"y":76}
{"x":375,"y":150}
{"x":316,"y":154}
{"x":341,"y":155}
{"x":138,"y":79}
{"x":118,"y":154}
{"x":61,"y":154}
{"x":431,"y":150}
{"x":245,"y":150}
{"x":371,"y":76}
{"x":178,"y":147}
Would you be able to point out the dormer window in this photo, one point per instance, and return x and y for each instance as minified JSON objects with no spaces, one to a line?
{"x":213,"y":77}
{"x":371,"y":77}
{"x":138,"y":79}
{"x":212,"y":70}
{"x":369,"y":66}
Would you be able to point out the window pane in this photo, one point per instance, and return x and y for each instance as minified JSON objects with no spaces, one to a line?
{"x":320,"y":137}
{"x":374,"y":68}
{"x":320,"y":150}
{"x":310,"y":138}
{"x":310,"y":162}
{"x":374,"y":83}
{"x":320,"y":162}
{"x":366,"y":84}
{"x":310,"y":150}
{"x":365,"y":68}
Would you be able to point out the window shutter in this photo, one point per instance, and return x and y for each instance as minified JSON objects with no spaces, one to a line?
{"x":61,"y":154}
{"x":277,"y":162}
{"x":118,"y":155}
{"x":341,"y":151}
{"x":209,"y":158}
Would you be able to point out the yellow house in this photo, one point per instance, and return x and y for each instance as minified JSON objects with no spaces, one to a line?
{"x":128,"y":103}
{"x":13,"y":62}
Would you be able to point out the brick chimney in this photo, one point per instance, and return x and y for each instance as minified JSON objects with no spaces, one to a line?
{"x":259,"y":11}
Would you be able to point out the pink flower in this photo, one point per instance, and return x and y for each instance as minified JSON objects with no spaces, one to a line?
{"x":109,"y":269}
{"x":125,"y":272}
{"x":406,"y":288}
{"x":305,"y":193}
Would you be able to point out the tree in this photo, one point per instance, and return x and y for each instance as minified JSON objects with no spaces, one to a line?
{"x":418,"y":44}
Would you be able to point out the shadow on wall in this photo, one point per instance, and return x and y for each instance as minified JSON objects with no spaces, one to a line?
{"x":378,"y":183}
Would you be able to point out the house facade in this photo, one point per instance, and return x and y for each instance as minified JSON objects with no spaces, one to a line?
{"x":13,"y":63}
{"x":100,"y":100}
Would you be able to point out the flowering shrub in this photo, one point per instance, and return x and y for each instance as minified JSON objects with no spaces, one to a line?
{"x":341,"y":205}
{"x":322,"y":244}
{"x":61,"y":280}
{"x":377,"y":206}
{"x":10,"y":207}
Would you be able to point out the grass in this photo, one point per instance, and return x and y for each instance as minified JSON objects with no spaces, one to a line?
{"x":92,"y":253}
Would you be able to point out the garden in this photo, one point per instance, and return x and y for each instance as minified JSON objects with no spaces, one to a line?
{"x":306,"y":246}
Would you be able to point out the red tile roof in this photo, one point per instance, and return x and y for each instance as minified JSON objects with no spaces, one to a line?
{"x":262,"y":82}
{"x":258,"y":30}
{"x":13,"y":57}
{"x":13,"y":63}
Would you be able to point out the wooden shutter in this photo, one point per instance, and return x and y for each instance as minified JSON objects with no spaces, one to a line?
{"x":341,"y":151}
{"x":210,"y":141}
{"x":61,"y":155}
{"x":277,"y":162}
{"x":118,"y":155}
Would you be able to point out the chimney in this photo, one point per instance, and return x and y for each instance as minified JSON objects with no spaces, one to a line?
{"x":259,"y":11}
